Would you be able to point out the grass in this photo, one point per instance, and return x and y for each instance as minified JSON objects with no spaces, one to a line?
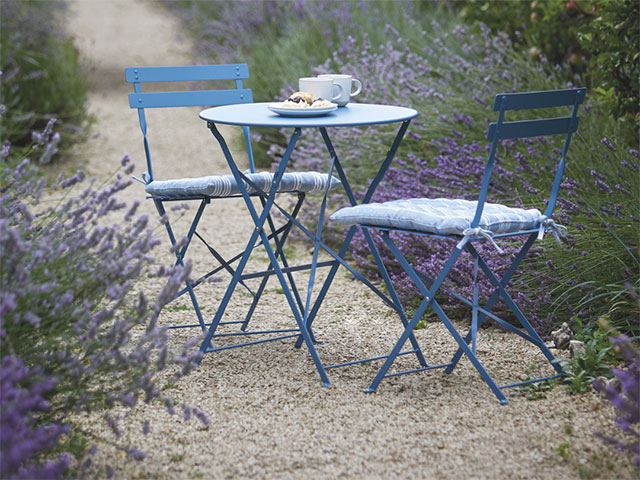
{"x":178,"y":308}
{"x":564,"y":450}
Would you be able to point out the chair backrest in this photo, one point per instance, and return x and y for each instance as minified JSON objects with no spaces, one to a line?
{"x":538,"y":127}
{"x":192,"y":98}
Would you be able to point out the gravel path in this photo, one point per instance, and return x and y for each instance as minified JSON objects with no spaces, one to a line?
{"x":270,"y":416}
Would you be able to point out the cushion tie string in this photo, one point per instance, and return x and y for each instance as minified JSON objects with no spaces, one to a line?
{"x":547,"y":225}
{"x":145,"y":180}
{"x":468,"y":233}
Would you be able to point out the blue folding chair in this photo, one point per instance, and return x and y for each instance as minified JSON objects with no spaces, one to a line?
{"x":205,"y":189}
{"x":470,"y":222}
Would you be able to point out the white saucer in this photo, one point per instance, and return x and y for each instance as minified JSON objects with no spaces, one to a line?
{"x":300,"y":112}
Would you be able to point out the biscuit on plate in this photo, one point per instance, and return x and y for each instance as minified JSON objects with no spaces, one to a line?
{"x":300,"y":99}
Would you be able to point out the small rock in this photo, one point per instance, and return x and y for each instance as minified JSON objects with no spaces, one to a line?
{"x":613,"y":382}
{"x":562,"y":336}
{"x":576,"y":347}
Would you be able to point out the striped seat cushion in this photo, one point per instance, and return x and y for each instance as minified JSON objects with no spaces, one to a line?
{"x":440,"y":216}
{"x":225,"y":185}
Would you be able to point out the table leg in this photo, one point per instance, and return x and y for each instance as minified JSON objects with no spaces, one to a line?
{"x":259,"y":232}
{"x":367,"y":198}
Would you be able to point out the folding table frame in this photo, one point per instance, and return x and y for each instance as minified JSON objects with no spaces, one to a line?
{"x":304,"y":314}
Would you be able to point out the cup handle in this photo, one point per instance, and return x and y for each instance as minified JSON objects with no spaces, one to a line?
{"x":359,"y":87}
{"x":337,"y":97}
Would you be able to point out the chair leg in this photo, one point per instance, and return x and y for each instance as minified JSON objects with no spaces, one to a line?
{"x":393,"y":294}
{"x":226,"y":265}
{"x":429,"y":301}
{"x":279,"y":254}
{"x":518,"y":313}
{"x":474,"y":309}
{"x":470,"y":354}
{"x":180,"y":255}
{"x":495,"y":295}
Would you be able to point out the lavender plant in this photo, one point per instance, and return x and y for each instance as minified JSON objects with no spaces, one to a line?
{"x":451,"y":81}
{"x":283,"y":40}
{"x":625,"y":397}
{"x":23,"y":393}
{"x":72,"y":257}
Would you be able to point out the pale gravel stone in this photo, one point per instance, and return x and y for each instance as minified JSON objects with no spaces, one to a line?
{"x":270,"y":416}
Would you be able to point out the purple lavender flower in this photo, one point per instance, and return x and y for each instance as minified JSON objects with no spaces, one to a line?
{"x":22,"y":437}
{"x":625,"y":396}
{"x":607,"y":143}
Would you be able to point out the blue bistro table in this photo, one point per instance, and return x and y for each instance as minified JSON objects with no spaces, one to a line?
{"x":259,"y":115}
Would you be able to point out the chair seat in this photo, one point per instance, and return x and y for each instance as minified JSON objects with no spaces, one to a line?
{"x":439,"y":215}
{"x":226,"y":185}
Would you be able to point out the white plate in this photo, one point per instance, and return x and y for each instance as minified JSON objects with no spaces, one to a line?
{"x":301,"y":112}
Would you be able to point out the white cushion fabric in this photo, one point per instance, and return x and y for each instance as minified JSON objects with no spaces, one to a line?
{"x":225,"y":185}
{"x":440,"y":215}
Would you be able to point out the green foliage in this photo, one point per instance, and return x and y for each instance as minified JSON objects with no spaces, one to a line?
{"x":280,"y":58}
{"x":597,"y":358}
{"x":614,"y":68}
{"x":538,"y":390}
{"x":599,"y":272}
{"x":422,"y":45}
{"x":586,"y":366}
{"x":41,"y":73}
{"x":564,"y":450}
{"x":547,"y":27}
{"x":594,"y":41}
{"x":283,"y":41}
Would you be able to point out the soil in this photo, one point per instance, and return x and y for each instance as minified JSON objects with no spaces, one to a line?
{"x":270,"y":416}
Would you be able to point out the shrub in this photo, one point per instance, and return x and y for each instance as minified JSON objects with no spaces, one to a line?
{"x":450,"y":72}
{"x":614,"y":67}
{"x":549,"y":27}
{"x":601,"y":207}
{"x":450,"y":77}
{"x":71,"y":259}
{"x":22,"y":397}
{"x":40,"y":73}
{"x":625,"y":396}
{"x":595,"y":40}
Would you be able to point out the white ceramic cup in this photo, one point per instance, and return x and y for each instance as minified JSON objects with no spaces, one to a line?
{"x":321,"y":87}
{"x":346,"y":82}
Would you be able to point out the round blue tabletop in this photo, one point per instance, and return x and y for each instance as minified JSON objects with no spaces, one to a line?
{"x":258,"y":115}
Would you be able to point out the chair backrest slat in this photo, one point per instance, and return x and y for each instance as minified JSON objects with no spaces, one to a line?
{"x":189,"y":98}
{"x":189,"y":73}
{"x":546,"y":99}
{"x":534,"y":128}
